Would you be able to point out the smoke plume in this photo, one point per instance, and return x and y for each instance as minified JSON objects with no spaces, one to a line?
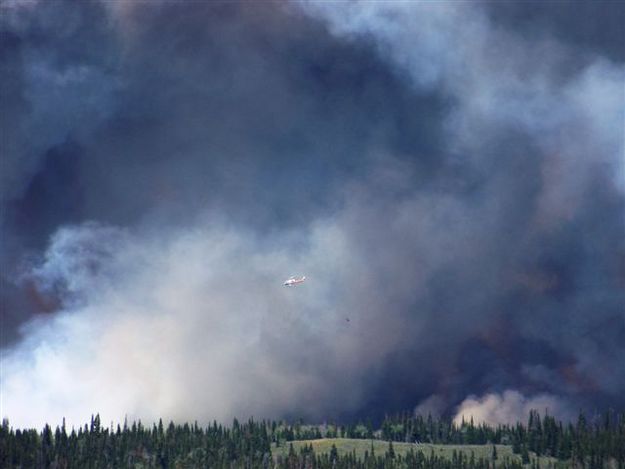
{"x":450,"y":180}
{"x":508,"y":408}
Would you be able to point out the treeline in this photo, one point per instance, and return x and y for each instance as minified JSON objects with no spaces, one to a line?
{"x":417,"y":459}
{"x":137,"y":446}
{"x":591,"y":444}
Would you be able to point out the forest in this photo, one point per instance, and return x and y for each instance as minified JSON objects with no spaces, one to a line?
{"x":401,"y":441}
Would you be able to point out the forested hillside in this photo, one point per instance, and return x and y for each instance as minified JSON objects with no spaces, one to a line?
{"x":420,"y":442}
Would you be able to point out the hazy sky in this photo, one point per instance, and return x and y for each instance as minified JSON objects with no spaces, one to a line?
{"x":450,"y":177}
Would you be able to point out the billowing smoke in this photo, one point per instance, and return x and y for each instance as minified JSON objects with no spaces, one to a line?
{"x":508,"y":408}
{"x":451,"y":185}
{"x":190,"y":325}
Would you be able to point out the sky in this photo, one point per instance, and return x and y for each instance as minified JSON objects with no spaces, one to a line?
{"x":450,"y":177}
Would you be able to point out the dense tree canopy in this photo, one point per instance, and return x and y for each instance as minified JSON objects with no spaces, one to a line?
{"x":589,"y":443}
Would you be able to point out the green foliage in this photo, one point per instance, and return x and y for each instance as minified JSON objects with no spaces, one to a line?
{"x":543,"y":442}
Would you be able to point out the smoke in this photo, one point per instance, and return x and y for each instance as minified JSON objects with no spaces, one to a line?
{"x":451,"y":185}
{"x":195,"y":324}
{"x":433,"y":405}
{"x":52,"y":86}
{"x":536,"y":128}
{"x":495,"y":81}
{"x":508,"y":408}
{"x":192,"y":326}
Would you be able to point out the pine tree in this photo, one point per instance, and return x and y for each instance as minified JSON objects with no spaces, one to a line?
{"x":334,"y":454}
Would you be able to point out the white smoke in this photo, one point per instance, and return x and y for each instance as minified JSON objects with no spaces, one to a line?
{"x":193,"y":324}
{"x":509,"y":407}
{"x":189,"y":327}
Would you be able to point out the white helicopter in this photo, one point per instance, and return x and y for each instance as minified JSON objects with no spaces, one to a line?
{"x":291,"y":282}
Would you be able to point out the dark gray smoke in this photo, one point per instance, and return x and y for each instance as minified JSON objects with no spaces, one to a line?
{"x":448,"y":178}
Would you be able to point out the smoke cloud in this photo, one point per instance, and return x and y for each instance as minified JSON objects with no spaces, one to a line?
{"x":451,"y":184}
{"x":508,"y":408}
